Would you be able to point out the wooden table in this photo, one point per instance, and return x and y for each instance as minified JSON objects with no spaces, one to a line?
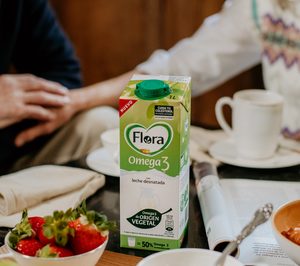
{"x":117,"y":259}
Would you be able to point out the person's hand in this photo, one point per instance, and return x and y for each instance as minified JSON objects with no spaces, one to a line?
{"x":103,"y":93}
{"x":29,"y":97}
{"x":61,"y":116}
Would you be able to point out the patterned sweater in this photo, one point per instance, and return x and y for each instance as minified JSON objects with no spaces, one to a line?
{"x":243,"y":34}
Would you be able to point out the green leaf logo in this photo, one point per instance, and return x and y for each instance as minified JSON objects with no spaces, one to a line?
{"x":148,"y":141}
{"x":147,"y":218}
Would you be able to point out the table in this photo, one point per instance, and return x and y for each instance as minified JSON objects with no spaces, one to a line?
{"x":117,"y":259}
{"x":107,"y":200}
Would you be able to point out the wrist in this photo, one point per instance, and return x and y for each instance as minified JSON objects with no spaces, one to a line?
{"x":78,"y":100}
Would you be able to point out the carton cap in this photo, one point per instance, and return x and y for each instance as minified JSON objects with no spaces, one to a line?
{"x":152,"y":89}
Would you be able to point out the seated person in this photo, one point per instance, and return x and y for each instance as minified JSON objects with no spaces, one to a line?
{"x":40,"y":120}
{"x":242,"y":35}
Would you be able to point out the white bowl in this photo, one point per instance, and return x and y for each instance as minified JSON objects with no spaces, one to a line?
{"x":86,"y":259}
{"x":186,"y":257}
{"x":285,"y":217}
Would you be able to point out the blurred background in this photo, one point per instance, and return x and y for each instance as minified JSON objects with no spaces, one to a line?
{"x":112,"y":36}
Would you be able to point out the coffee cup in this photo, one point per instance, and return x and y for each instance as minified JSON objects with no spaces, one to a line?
{"x":256,"y":122}
{"x":110,"y":142}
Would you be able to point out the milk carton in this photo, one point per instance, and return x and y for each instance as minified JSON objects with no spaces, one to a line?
{"x":154,"y":181}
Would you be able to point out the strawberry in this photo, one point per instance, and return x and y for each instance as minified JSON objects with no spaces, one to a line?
{"x":54,"y":251}
{"x":91,"y":229}
{"x":87,"y":236}
{"x":21,"y":231}
{"x":28,"y":246}
{"x":36,"y":223}
{"x":22,"y":239}
{"x":56,"y":229}
{"x":45,"y":239}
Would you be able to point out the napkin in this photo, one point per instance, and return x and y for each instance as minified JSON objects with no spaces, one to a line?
{"x":200,"y":141}
{"x":43,"y":189}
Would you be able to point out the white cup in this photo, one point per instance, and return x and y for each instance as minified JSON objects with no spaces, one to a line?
{"x":110,"y":141}
{"x":256,"y":122}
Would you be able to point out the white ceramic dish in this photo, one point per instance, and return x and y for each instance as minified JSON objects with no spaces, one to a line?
{"x":101,"y":161}
{"x":86,"y":259}
{"x":186,"y":257}
{"x":285,"y":217}
{"x":110,"y":141}
{"x":225,"y":151}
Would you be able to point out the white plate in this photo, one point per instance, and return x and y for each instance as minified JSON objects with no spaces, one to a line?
{"x":186,"y":257}
{"x":225,"y":151}
{"x":101,"y":161}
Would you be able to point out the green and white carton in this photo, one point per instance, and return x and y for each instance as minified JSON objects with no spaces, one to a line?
{"x":154,"y":161}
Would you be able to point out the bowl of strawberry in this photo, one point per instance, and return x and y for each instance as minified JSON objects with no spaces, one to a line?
{"x":73,"y":237}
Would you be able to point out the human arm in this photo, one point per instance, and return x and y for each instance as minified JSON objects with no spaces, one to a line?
{"x":104,"y":93}
{"x":222,"y":47}
{"x":225,"y":45}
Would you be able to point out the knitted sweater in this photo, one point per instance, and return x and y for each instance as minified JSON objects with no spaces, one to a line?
{"x":243,"y":34}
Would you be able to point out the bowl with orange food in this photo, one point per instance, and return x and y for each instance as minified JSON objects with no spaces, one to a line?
{"x":286,"y":229}
{"x":66,"y":238}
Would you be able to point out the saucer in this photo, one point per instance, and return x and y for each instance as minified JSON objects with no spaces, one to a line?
{"x":100,"y":160}
{"x":225,"y":151}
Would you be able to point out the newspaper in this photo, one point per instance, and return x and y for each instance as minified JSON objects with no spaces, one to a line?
{"x":227,"y":205}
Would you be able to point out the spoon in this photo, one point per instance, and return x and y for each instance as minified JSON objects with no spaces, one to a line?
{"x":260,"y":217}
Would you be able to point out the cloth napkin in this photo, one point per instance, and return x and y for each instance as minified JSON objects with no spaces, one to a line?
{"x":43,"y":189}
{"x":200,"y":141}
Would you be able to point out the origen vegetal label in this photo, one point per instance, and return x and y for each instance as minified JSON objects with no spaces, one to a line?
{"x":154,"y":161}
